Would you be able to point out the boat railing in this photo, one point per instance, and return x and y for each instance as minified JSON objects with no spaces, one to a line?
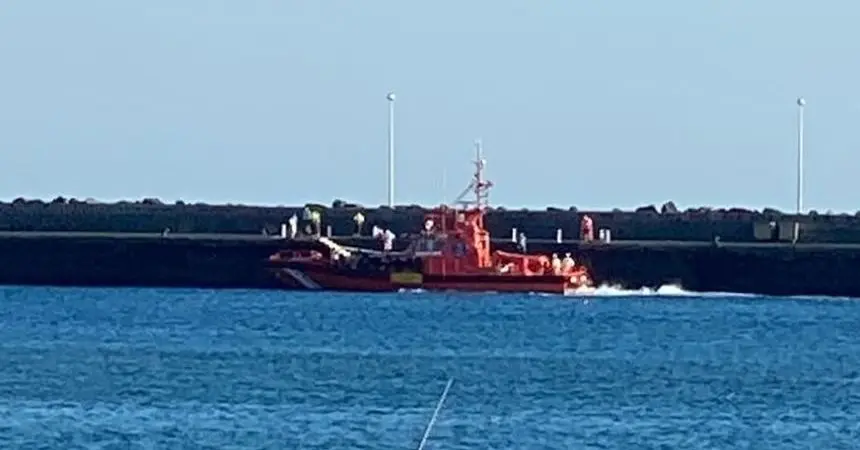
{"x":334,"y":247}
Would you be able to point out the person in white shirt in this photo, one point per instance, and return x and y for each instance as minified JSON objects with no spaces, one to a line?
{"x":556,"y":264}
{"x":567,"y":263}
{"x":358,"y":218}
{"x":294,"y":226}
{"x":388,"y":241}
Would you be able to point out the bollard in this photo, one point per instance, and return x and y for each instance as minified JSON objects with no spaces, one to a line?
{"x":283,"y":231}
{"x":604,"y":235}
{"x":513,"y":235}
{"x":328,"y":230}
{"x":558,"y":235}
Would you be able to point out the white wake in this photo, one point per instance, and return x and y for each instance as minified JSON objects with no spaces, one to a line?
{"x":666,"y":290}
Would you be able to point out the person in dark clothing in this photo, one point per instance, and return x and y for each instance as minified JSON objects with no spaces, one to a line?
{"x":774,"y":231}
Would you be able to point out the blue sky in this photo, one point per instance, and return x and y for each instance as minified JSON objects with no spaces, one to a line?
{"x":594,"y":104}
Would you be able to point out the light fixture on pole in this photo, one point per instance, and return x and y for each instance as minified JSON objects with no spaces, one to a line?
{"x":801,"y":103}
{"x":391,"y":97}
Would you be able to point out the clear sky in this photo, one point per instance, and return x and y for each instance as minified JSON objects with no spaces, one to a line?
{"x":593,"y":104}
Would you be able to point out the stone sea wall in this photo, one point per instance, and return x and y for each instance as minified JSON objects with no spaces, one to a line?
{"x":135,"y":262}
{"x":648,"y":223}
{"x":239,"y":262}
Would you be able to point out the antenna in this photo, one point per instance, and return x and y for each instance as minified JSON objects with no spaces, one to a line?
{"x":435,"y":414}
{"x":444,"y":186}
{"x":479,"y":186}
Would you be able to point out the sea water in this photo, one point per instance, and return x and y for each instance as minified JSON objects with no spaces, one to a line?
{"x":194,"y":369}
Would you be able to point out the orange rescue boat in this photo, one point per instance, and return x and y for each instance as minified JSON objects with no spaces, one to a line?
{"x":453,"y":252}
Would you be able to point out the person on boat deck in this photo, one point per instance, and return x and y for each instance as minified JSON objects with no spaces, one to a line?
{"x":379,"y":236}
{"x":556,"y":264}
{"x":388,"y":240}
{"x":567,"y":263}
{"x":522,"y":243}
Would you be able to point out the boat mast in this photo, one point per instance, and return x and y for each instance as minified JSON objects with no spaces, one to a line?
{"x":482,"y":187}
{"x":479,"y":186}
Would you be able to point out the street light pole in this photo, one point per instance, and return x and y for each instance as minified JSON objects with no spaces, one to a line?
{"x":391,"y":99}
{"x":801,"y":103}
{"x":799,"y":200}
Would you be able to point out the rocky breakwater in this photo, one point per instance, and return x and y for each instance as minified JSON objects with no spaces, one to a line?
{"x":647,"y":223}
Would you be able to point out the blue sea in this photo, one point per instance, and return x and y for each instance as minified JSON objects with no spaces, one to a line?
{"x":200,"y":369}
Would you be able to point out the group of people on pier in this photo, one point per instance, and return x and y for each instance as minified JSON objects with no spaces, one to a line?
{"x":313,"y":219}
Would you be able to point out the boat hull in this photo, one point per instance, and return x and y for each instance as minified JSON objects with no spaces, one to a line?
{"x":321,"y":277}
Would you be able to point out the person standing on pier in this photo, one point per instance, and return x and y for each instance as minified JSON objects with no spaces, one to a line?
{"x":586,"y":229}
{"x":305,"y":221}
{"x":773,"y":227}
{"x":316,"y":221}
{"x":294,"y":225}
{"x":358,"y":218}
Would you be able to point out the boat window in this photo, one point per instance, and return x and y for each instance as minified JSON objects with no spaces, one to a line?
{"x":459,"y":248}
{"x":430,"y":244}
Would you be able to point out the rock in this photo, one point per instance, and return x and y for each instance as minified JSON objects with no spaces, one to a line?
{"x":649,"y":210}
{"x":151,"y":201}
{"x":669,"y":208}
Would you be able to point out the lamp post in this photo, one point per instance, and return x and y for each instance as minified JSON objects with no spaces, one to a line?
{"x":801,"y":103}
{"x":391,"y":98}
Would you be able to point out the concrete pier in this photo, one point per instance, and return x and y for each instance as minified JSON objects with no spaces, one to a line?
{"x":237,"y":261}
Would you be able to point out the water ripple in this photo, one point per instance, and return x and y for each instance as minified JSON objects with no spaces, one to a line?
{"x":112,"y":368}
